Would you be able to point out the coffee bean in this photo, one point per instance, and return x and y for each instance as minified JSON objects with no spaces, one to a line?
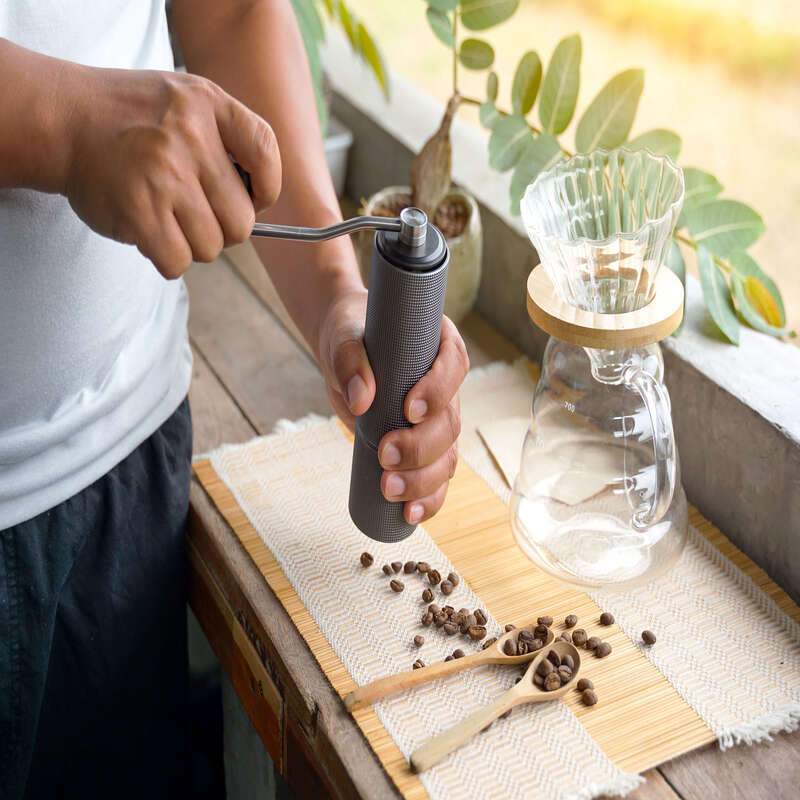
{"x":439,"y":619}
{"x":446,"y":587}
{"x":468,"y":622}
{"x":450,"y":628}
{"x":464,"y":612}
{"x":510,"y":647}
{"x":396,"y":586}
{"x":606,"y":618}
{"x":545,"y":667}
{"x":366,"y":559}
{"x":552,"y":682}
{"x":546,"y":621}
{"x":585,"y":683}
{"x":648,"y":637}
{"x":570,"y":620}
{"x":397,"y":566}
{"x":427,"y":619}
{"x":449,"y":610}
{"x":418,"y":664}
{"x":387,"y":570}
{"x":522,"y":647}
{"x":538,"y":679}
{"x":568,"y":661}
{"x":565,"y":637}
{"x":592,"y":642}
{"x":565,"y":673}
{"x":480,"y":615}
{"x":410,"y":567}
{"x":579,"y":637}
{"x":419,"y":640}
{"x":489,"y":642}
{"x":526,"y":635}
{"x":458,"y":653}
{"x":602,"y":650}
{"x":434,"y":609}
{"x":554,"y":658}
{"x":457,"y":618}
{"x":427,"y":595}
{"x":589,"y":697}
{"x":453,"y":578}
{"x":540,"y":632}
{"x":510,"y":627}
{"x":434,"y":577}
{"x":448,"y":658}
{"x":536,"y":644}
{"x":423,"y":567}
{"x":476,"y":632}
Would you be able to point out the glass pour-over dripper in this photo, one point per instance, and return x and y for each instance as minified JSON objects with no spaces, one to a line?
{"x":598,"y":500}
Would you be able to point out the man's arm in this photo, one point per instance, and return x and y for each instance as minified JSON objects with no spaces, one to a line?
{"x":253,"y":49}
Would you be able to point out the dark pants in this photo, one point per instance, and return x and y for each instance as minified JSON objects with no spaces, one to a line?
{"x":93,"y":666}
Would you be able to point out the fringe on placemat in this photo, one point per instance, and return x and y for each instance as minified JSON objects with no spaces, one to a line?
{"x":617,"y":787}
{"x":785,"y":719}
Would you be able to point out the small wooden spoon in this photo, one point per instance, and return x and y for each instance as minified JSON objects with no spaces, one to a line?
{"x":383,"y":687}
{"x":526,"y":691}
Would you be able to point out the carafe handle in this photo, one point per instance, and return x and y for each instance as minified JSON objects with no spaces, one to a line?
{"x":656,"y":401}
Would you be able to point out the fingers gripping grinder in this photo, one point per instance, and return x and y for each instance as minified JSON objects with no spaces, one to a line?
{"x":408,"y":278}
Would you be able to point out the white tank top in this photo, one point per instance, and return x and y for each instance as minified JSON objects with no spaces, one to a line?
{"x":94,"y":353}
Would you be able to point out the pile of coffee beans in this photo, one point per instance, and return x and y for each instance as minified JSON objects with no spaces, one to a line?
{"x":554,"y":671}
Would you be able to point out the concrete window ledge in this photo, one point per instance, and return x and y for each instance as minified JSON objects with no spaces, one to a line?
{"x":736,"y":410}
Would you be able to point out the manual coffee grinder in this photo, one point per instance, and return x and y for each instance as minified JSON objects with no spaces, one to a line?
{"x":408,"y":279}
{"x":598,"y":501}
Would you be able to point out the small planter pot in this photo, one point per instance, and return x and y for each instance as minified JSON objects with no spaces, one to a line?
{"x":466,"y":249}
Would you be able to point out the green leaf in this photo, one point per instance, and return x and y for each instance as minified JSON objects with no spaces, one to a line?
{"x":607,"y":121}
{"x":488,"y":114}
{"x":560,"y":86}
{"x":478,"y":15}
{"x":443,"y":5}
{"x":526,"y":83}
{"x":329,"y":7}
{"x":440,"y":25}
{"x":350,"y":25}
{"x":491,"y":86}
{"x":744,"y":267}
{"x":676,"y":263}
{"x":659,"y":141}
{"x":717,"y":295}
{"x":372,"y":56}
{"x":750,"y":310}
{"x":539,"y":154}
{"x":723,"y":226}
{"x":476,"y":54}
{"x":509,"y":136}
{"x":700,"y":188}
{"x":311,"y":46}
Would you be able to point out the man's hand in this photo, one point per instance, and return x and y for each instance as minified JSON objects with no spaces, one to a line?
{"x":148,"y":164}
{"x":419,"y":461}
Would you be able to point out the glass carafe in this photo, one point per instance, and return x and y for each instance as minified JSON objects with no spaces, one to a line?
{"x":598,"y":501}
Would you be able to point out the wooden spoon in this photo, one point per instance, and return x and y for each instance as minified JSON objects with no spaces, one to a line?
{"x":526,"y":691}
{"x":383,"y":687}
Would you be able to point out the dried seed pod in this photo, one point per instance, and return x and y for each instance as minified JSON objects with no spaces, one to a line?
{"x":538,"y":679}
{"x":458,"y":653}
{"x":427,"y":619}
{"x":409,"y":567}
{"x":589,"y":697}
{"x":419,"y":640}
{"x":592,"y":643}
{"x":434,"y":609}
{"x":489,"y":642}
{"x":648,"y":637}
{"x":453,"y":578}
{"x":585,"y":683}
{"x":387,"y":570}
{"x":565,"y":673}
{"x":476,"y":632}
{"x":546,"y":621}
{"x":396,"y":586}
{"x":427,"y":595}
{"x":565,"y":637}
{"x":603,"y":649}
{"x":480,"y":615}
{"x":510,"y":647}
{"x":423,"y":567}
{"x":552,"y":682}
{"x":606,"y":618}
{"x":568,"y":661}
{"x":545,"y":667}
{"x":434,"y":577}
{"x":579,"y":637}
{"x":554,"y":658}
{"x":449,"y":628}
{"x":522,"y":647}
{"x":418,"y":664}
{"x":446,"y":587}
{"x":366,"y":559}
{"x":540,"y":632}
{"x":570,"y":621}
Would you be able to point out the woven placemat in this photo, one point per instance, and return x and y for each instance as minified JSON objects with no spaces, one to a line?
{"x":290,"y":491}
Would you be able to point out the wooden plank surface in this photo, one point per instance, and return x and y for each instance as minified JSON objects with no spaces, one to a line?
{"x":232,"y":381}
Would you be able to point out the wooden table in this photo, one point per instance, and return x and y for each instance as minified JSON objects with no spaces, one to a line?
{"x":250,"y":371}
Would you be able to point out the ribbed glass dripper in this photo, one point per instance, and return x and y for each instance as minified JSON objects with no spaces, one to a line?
{"x":602,"y":223}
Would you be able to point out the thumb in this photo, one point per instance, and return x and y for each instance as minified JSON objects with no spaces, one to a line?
{"x":353,"y":374}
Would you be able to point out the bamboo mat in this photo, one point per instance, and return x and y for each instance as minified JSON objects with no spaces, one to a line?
{"x":641,"y":722}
